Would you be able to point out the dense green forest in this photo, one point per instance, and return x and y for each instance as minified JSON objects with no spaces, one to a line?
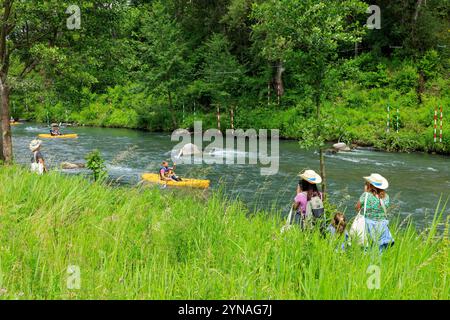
{"x":309,"y":68}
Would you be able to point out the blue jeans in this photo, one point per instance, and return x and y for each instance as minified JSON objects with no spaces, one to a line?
{"x":379,"y":234}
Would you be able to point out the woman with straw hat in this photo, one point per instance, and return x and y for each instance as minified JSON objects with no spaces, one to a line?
{"x":376,"y":203}
{"x":37,"y":161}
{"x":377,"y":199}
{"x":306,"y":191}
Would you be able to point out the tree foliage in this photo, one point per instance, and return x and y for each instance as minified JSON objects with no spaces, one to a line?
{"x":153,"y":64}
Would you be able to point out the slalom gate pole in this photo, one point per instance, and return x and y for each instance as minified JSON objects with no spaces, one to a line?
{"x":435,"y":125}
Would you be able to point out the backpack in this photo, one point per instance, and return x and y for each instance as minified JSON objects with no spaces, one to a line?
{"x":315,"y":208}
{"x":358,"y":228}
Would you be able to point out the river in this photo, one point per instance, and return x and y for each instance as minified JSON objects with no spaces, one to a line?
{"x":417,"y":180}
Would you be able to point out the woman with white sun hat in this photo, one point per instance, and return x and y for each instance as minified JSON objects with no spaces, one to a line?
{"x":377,"y":198}
{"x":375,"y":201}
{"x":306,"y":192}
{"x":37,"y":161}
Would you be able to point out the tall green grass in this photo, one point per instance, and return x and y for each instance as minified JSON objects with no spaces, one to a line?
{"x":144,"y":243}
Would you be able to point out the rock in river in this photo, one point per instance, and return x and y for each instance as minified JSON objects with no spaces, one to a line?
{"x":341,"y":147}
{"x":71,"y":166}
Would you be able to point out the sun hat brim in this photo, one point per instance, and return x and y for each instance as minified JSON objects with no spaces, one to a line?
{"x":36,"y":145}
{"x":316,"y":179}
{"x":383,"y":185}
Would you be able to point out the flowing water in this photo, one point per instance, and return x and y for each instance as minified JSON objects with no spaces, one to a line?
{"x":417,"y":180}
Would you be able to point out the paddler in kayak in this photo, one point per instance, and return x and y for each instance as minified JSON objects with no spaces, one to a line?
{"x":13,"y":121}
{"x":55,"y":131}
{"x":167,"y":173}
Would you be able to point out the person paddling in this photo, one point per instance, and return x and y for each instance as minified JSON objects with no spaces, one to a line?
{"x":37,"y":161}
{"x":55,"y":131}
{"x":377,"y":202}
{"x":167,"y":173}
{"x":308,"y":202}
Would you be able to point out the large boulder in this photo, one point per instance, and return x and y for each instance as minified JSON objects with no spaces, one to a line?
{"x":181,"y":132}
{"x":339,"y":147}
{"x":189,"y":149}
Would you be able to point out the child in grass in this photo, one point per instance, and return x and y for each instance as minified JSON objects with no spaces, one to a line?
{"x":337,"y":227}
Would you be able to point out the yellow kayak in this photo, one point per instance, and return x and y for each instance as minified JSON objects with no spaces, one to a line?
{"x":191,"y":183}
{"x":64,"y":136}
{"x":15,"y":123}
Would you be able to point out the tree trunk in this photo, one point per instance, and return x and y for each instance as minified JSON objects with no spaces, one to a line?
{"x":2,"y":158}
{"x":416,"y":13}
{"x":7,"y":153}
{"x":323,"y":174}
{"x":322,"y":159}
{"x":414,"y":25}
{"x":321,"y":152}
{"x":278,"y":81}
{"x":5,"y":128}
{"x":421,"y":86}
{"x":174,"y":120}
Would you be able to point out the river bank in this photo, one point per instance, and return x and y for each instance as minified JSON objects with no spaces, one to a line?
{"x":146,"y":243}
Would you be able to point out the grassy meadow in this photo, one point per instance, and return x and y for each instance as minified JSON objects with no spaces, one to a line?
{"x":146,"y":243}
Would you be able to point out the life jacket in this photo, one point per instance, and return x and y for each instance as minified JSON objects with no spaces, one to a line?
{"x":165,"y":169}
